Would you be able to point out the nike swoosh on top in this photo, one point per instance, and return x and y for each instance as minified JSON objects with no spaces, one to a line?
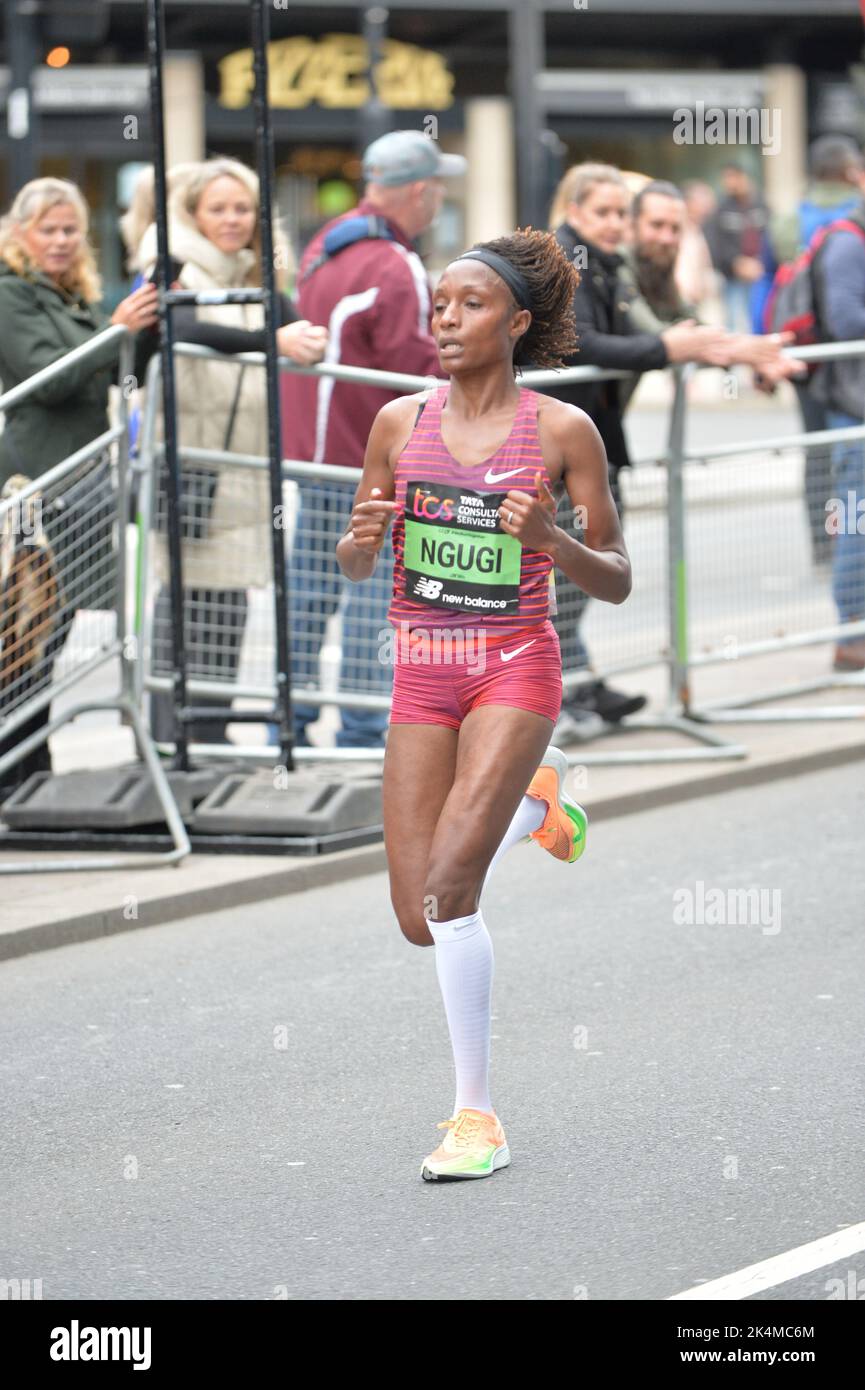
{"x":490,"y":477}
{"x":506,"y":656}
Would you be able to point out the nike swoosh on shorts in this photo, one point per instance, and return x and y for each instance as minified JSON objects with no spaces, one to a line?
{"x":506,"y":656}
{"x":499,"y":477}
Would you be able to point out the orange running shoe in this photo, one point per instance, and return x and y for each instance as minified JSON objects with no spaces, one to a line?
{"x":563,"y":832}
{"x":474,"y":1147}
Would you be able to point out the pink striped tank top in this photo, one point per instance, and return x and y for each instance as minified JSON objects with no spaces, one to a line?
{"x":453,"y":563}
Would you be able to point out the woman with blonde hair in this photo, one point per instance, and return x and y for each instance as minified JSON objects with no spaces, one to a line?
{"x":49,"y":295}
{"x":141,"y":212}
{"x":214,"y":240}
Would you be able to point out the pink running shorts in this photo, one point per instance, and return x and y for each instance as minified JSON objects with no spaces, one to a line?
{"x":440,"y":675}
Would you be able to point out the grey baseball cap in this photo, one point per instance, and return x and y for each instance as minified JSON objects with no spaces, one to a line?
{"x":405,"y":155}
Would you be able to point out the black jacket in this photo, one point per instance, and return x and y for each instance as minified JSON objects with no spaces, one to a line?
{"x":606,"y":339}
{"x":735,"y":229}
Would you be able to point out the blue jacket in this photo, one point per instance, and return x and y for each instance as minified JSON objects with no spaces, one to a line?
{"x":840,"y":304}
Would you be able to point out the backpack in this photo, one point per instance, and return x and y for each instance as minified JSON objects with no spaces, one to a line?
{"x":791,"y":306}
{"x":812,"y":216}
{"x":347,"y":233}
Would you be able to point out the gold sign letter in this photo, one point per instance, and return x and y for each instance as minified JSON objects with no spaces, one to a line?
{"x":333,"y":71}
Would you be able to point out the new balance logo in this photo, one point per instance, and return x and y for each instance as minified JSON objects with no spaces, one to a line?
{"x":506,"y":656}
{"x":428,"y":588}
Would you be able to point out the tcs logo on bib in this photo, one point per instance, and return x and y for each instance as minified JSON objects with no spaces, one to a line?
{"x":432,"y":508}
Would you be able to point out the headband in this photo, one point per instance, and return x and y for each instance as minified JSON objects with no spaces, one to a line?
{"x":513,"y":278}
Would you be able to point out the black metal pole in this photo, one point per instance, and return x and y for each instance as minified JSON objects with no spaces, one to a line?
{"x":155,"y":50}
{"x":375,"y":119}
{"x":21,"y":119}
{"x":527,"y":57}
{"x":265,"y":168}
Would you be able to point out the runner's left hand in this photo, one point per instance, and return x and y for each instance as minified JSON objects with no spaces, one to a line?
{"x":534,"y":523}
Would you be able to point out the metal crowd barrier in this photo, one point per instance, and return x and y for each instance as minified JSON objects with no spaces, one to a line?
{"x":62,"y":601}
{"x":766,"y":595}
{"x":229,"y":635}
{"x":62,"y":609}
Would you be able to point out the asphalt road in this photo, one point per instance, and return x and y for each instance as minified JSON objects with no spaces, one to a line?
{"x":237,"y":1106}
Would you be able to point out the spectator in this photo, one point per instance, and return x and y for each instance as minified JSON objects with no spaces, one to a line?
{"x":835,"y":165}
{"x":595,"y":201}
{"x":49,"y":293}
{"x":139,"y":215}
{"x":839,"y":270}
{"x":695,"y":274}
{"x":736,"y":233}
{"x":374,"y":297}
{"x":30,"y":611}
{"x":659,"y":220}
{"x":141,"y":212}
{"x":215,"y":242}
{"x":834,"y":168}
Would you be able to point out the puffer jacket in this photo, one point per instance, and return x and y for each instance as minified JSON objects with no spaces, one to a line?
{"x":40,"y":323}
{"x":236,"y":551}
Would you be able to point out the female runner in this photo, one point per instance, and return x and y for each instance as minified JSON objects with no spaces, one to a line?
{"x":466,"y":473}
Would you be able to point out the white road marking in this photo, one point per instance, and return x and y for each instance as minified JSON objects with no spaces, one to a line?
{"x":781,"y":1268}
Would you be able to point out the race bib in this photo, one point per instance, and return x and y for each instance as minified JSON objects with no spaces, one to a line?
{"x":456,"y":554}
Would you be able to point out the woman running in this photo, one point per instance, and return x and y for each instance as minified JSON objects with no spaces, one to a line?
{"x":466,"y":473}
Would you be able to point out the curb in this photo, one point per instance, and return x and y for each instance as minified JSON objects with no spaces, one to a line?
{"x":173,"y":906}
{"x":744,"y":775}
{"x":369,"y":859}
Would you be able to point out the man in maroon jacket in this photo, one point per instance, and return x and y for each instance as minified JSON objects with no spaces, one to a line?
{"x":361,"y":277}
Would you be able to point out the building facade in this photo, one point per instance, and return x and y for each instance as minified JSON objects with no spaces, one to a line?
{"x":522,"y":89}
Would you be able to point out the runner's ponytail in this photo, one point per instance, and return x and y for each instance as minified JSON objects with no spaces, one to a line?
{"x":551,"y":279}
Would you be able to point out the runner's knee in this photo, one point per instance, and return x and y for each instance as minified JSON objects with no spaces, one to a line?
{"x":412,"y":917}
{"x":452,"y":889}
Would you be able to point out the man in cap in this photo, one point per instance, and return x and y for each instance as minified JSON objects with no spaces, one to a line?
{"x":361,"y":276}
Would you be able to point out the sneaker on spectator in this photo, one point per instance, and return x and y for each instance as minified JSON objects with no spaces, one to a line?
{"x":576,"y":725}
{"x":599,"y":698}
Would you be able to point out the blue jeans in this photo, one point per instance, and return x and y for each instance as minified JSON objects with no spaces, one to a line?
{"x":737,"y":306}
{"x":571,"y":601}
{"x":848,"y":559}
{"x":316,"y":589}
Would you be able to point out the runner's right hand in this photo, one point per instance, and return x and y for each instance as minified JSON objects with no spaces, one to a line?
{"x":370,"y":520}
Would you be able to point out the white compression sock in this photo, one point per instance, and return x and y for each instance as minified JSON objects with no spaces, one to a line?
{"x":529,"y":816}
{"x":464,"y":965}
